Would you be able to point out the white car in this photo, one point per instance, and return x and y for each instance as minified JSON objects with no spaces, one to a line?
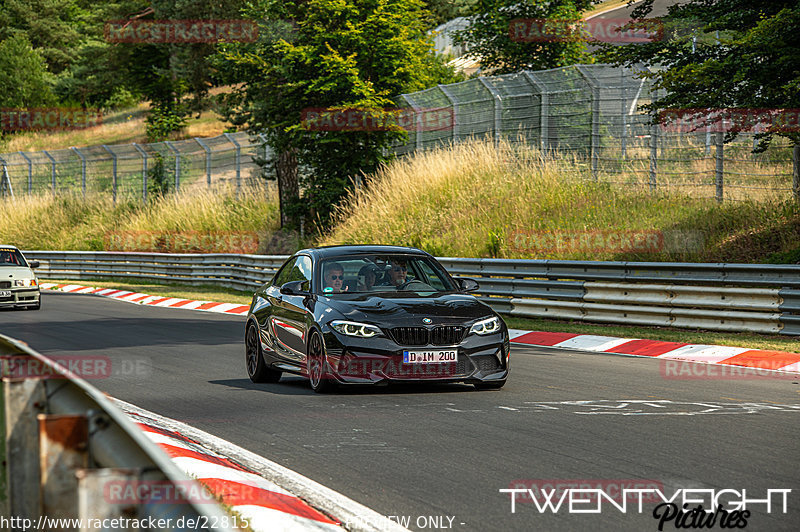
{"x":19,"y":286}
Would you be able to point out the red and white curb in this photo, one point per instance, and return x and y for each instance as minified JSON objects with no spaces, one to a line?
{"x":266,"y":506}
{"x":146,"y":299}
{"x":710,"y":354}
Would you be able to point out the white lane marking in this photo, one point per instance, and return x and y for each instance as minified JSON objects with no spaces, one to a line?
{"x":360,"y":518}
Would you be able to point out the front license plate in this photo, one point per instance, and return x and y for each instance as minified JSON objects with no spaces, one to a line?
{"x":430,"y":356}
{"x":5,"y":293}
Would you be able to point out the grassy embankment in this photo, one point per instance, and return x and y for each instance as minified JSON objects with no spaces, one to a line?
{"x":463,"y":201}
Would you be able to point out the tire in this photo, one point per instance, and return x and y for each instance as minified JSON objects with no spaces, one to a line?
{"x":38,"y":304}
{"x":257,"y":369}
{"x":496,"y":385}
{"x":316,"y":364}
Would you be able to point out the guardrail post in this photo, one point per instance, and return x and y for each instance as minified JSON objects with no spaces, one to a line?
{"x":24,"y":400}
{"x":83,"y":168}
{"x":720,"y":165}
{"x":144,"y":170}
{"x":208,"y":160}
{"x":114,"y":173}
{"x":52,"y":170}
{"x":177,"y":164}
{"x":30,"y":171}
{"x":63,"y":450}
{"x":93,"y":485}
{"x":653,"y":156}
{"x":238,"y":162}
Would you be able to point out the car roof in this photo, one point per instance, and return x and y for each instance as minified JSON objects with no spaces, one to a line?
{"x":8,"y":246}
{"x":339,"y":251}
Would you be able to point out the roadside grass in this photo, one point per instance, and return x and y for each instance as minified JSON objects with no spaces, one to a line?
{"x":68,"y":222}
{"x":476,"y":199}
{"x":770,"y":342}
{"x":228,"y":295}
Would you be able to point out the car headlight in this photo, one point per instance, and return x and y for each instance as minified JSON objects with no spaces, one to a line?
{"x":354,"y":328}
{"x":488,"y":326}
{"x":25,"y":282}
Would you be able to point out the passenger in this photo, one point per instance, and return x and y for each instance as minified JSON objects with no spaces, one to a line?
{"x":334,"y":278}
{"x":367,"y":276}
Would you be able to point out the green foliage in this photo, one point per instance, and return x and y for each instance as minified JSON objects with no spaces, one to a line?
{"x":25,"y":81}
{"x":340,"y":54}
{"x":163,"y":120}
{"x":158,"y":179}
{"x":121,"y":98}
{"x":445,"y":10}
{"x":488,"y":35}
{"x":746,"y":54}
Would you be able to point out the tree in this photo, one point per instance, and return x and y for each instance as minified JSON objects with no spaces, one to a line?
{"x":731,"y":54}
{"x":489,"y":39}
{"x":25,"y":81}
{"x":327,"y":54}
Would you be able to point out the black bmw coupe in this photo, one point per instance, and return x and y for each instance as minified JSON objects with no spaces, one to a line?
{"x":373,"y":315}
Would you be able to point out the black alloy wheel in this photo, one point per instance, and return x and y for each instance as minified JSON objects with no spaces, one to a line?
{"x":257,"y":369}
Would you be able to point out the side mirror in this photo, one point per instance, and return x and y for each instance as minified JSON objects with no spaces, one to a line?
{"x":467,"y":285}
{"x":295,"y":288}
{"x":33,"y":264}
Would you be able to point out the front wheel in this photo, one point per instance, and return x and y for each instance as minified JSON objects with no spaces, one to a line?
{"x":257,"y":369}
{"x":491,"y":385}
{"x":316,"y":365}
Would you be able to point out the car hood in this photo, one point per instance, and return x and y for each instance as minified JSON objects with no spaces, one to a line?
{"x":15,"y":272}
{"x":406,"y":310}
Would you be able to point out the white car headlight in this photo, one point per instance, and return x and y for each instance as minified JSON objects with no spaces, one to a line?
{"x":25,"y":282}
{"x":488,"y":326}
{"x":354,"y":328}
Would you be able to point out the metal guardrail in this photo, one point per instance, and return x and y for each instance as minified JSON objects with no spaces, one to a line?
{"x":64,"y":444}
{"x":728,"y":297}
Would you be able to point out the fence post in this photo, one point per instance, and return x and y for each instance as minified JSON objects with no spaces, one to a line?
{"x":417,"y":121}
{"x":83,"y":169}
{"x":5,"y":181}
{"x":720,"y":166}
{"x":796,"y":171}
{"x":623,"y":138}
{"x":498,"y":108}
{"x":208,"y":160}
{"x":114,"y":173}
{"x":454,"y":105}
{"x":144,"y":170}
{"x":653,"y":156}
{"x":30,"y":172}
{"x":177,"y":164}
{"x":238,"y":162}
{"x":52,"y":171}
{"x":544,"y":110}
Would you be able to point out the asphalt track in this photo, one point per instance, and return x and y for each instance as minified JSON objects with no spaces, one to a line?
{"x":418,"y":451}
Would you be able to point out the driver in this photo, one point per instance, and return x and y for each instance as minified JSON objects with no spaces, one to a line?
{"x":334,"y":278}
{"x":397,"y":273}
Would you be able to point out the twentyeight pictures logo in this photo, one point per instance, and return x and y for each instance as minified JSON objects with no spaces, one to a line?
{"x":180,"y":31}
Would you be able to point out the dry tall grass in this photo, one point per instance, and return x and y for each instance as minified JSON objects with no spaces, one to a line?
{"x":471,"y":199}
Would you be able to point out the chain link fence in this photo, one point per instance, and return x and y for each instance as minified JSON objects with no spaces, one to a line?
{"x":589,"y":113}
{"x":226,"y":161}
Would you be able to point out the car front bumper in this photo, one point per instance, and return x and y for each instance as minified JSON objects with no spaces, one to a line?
{"x":380,"y":360}
{"x":20,"y":297}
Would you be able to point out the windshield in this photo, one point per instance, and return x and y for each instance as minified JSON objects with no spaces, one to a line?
{"x":382,"y":273}
{"x":11,"y":257}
